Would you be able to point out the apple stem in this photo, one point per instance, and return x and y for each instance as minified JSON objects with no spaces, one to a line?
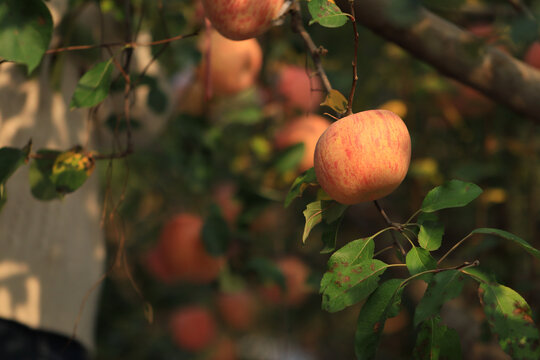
{"x":355,"y":61}
{"x":394,"y":225}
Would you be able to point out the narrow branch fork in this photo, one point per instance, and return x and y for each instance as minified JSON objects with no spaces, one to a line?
{"x":315,"y":52}
{"x":447,"y":48}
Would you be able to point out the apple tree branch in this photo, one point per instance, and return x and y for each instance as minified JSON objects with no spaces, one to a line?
{"x":456,"y":53}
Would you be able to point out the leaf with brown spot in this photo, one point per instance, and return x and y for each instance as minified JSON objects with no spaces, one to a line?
{"x":352,"y":253}
{"x":509,"y":317}
{"x":348,"y":285}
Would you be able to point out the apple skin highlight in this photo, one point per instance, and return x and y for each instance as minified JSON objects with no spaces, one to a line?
{"x":241,"y":19}
{"x":363,"y":157}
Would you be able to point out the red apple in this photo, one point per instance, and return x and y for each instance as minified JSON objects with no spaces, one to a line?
{"x":193,"y":328}
{"x":238,"y":309}
{"x":182,"y":251}
{"x":532,"y":57}
{"x":224,"y":196}
{"x":156,"y":266}
{"x":298,"y":89}
{"x":242,"y":19}
{"x":234,"y":65}
{"x":305,"y":129}
{"x":363,"y":156}
{"x":296,"y":274}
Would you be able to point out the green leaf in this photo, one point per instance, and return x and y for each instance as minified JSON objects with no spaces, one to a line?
{"x":444,"y":286}
{"x":326,"y":13}
{"x":453,"y":193}
{"x":430,"y":235}
{"x":300,"y":184}
{"x":41,"y":184}
{"x":316,"y":211}
{"x":336,"y":101}
{"x":215,"y":232}
{"x":509,"y":236}
{"x":346,"y":284}
{"x":25,"y":31}
{"x":329,"y":236}
{"x":510,"y":318}
{"x":289,"y":158}
{"x":10,"y":160}
{"x":267,"y":271}
{"x":382,"y":304}
{"x":419,"y":260}
{"x":436,"y":341}
{"x":71,"y":169}
{"x":94,"y":86}
{"x":352,"y":253}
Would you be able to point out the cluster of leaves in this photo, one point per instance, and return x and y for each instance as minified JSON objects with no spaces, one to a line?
{"x":52,"y":173}
{"x":25,"y":33}
{"x":354,"y":274}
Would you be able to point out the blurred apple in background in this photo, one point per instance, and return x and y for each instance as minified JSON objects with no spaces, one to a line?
{"x":298,"y":90}
{"x":307,"y":130}
{"x":363,"y":156}
{"x":238,"y":309}
{"x":180,"y":254}
{"x":193,"y":328}
{"x":224,"y":196}
{"x":296,"y":274}
{"x":234,"y":65}
{"x":242,"y":19}
{"x":532,"y":56}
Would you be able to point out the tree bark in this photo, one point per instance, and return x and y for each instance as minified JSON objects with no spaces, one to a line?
{"x":456,"y":53}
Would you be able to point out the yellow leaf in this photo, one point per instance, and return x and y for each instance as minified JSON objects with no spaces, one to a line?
{"x":336,"y":101}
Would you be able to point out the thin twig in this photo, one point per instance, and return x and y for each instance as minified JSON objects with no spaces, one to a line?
{"x":389,"y":222}
{"x":130,"y":44}
{"x":355,"y":61}
{"x":315,"y":52}
{"x":453,"y":248}
{"x":463,"y":266}
{"x":383,"y":250}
